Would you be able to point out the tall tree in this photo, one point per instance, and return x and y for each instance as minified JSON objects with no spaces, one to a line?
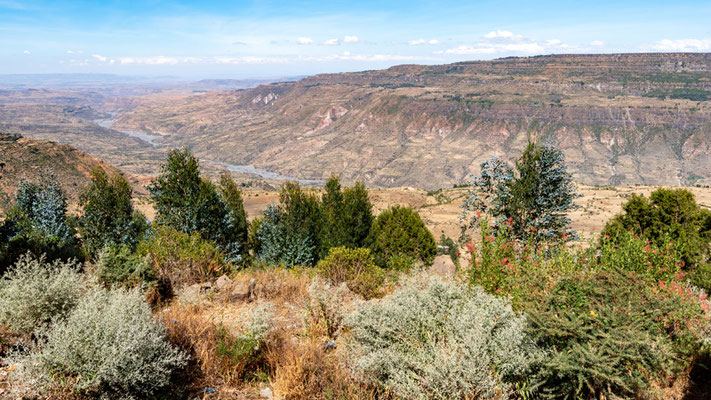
{"x":533,"y":198}
{"x":187,"y":202}
{"x":357,"y":214}
{"x":108,"y":214}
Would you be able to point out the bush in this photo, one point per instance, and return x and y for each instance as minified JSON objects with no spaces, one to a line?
{"x":118,"y":266}
{"x":108,"y":216}
{"x":437,"y":340}
{"x":38,"y":223}
{"x":180,"y":259}
{"x":33,"y":292}
{"x":611,"y":334}
{"x":277,"y":246}
{"x":399,"y":231}
{"x":355,"y":267}
{"x":325,"y":308}
{"x":668,"y":215}
{"x":109,"y":345}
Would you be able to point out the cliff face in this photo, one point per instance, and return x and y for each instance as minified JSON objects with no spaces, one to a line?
{"x":620,"y":119}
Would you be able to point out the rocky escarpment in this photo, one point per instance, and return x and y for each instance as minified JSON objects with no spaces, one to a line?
{"x":620,"y":119}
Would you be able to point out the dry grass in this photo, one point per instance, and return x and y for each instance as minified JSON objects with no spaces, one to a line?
{"x":307,"y":371}
{"x":213,"y":361}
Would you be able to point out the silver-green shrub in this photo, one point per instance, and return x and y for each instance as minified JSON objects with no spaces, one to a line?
{"x":258,"y":321}
{"x":433,"y":339}
{"x":33,"y":292}
{"x":109,"y":346}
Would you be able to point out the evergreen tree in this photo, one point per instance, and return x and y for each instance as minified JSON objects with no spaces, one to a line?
{"x":333,"y":232}
{"x":108,"y":214}
{"x":38,"y":222}
{"x":302,"y":217}
{"x":400,"y":232}
{"x":237,"y":215}
{"x":533,"y":198}
{"x":276,"y":246}
{"x":188,"y":203}
{"x":358,"y":215}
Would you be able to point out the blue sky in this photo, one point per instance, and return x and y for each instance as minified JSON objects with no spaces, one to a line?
{"x":244,"y":39}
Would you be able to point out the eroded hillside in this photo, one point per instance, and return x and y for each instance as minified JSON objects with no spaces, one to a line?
{"x":620,"y":119}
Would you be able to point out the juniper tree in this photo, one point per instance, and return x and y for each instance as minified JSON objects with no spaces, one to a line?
{"x":347,"y":215}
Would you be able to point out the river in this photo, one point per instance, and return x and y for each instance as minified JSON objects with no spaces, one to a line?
{"x":245,"y":169}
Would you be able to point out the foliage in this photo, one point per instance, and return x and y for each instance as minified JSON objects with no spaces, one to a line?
{"x":325,"y":309}
{"x":347,"y":215}
{"x":118,"y":266}
{"x":611,"y":334}
{"x":533,"y":198}
{"x":108,"y":214}
{"x":33,"y":292}
{"x":399,"y":231}
{"x":237,"y":216}
{"x":669,"y":214}
{"x":38,"y":223}
{"x":277,"y":246}
{"x":109,"y":345}
{"x":253,"y":241}
{"x":179,"y":259}
{"x":188,"y":203}
{"x":613,"y":319}
{"x":661,"y":260}
{"x":433,"y":339}
{"x":449,"y":247}
{"x":355,"y":267}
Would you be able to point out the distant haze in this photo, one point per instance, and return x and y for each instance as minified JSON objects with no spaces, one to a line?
{"x":195,"y":40}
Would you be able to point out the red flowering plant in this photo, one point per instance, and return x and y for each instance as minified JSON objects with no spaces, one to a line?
{"x":628,"y":252}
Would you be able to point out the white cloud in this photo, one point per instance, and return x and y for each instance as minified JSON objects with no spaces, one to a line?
{"x":419,"y":42}
{"x":506,"y":42}
{"x":304,"y":40}
{"x":502,"y":34}
{"x":250,"y":60}
{"x":332,"y":42}
{"x":158,"y":60}
{"x":26,"y":52}
{"x":99,"y":57}
{"x":350,"y":39}
{"x":682,"y":45}
{"x":597,"y":43}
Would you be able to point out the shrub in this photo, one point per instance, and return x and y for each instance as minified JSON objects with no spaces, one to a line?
{"x":179,"y":258}
{"x":33,"y":292}
{"x":355,"y":267}
{"x":669,"y":215}
{"x":109,"y":345}
{"x":399,"y":231}
{"x":277,"y":246}
{"x":325,"y":308}
{"x":611,"y":334}
{"x":437,"y":340}
{"x":119,"y":266}
{"x":38,"y":223}
{"x":660,"y":260}
{"x":108,"y":216}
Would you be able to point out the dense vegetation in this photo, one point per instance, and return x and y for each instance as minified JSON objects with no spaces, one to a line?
{"x":107,"y":305}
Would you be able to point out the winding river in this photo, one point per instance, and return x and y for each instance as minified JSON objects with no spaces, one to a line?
{"x":245,"y":169}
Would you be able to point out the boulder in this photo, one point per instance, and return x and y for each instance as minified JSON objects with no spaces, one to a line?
{"x":223,"y":283}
